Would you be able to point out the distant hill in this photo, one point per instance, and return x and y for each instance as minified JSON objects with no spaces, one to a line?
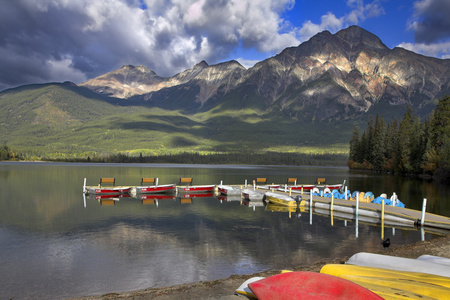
{"x":305,"y":99}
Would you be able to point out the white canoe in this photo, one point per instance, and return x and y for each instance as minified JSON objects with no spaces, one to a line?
{"x":243,"y":289}
{"x":398,"y":263}
{"x":435,"y":259}
{"x":252,"y":195}
{"x":228,"y":190}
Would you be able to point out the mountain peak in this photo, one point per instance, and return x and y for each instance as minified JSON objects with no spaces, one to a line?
{"x":203,"y":64}
{"x":358,"y":37}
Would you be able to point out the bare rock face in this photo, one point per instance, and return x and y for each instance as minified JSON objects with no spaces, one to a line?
{"x":125,"y":82}
{"x":329,"y":77}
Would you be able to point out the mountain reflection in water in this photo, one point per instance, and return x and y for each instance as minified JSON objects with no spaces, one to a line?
{"x":57,"y":244}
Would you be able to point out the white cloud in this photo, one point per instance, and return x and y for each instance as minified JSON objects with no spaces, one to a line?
{"x":102,"y":35}
{"x":328,"y":22}
{"x":441,"y":50}
{"x":359,"y":12}
{"x":63,"y":70}
{"x":246,"y":63}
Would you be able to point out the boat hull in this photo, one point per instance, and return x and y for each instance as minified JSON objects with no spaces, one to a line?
{"x":398,"y":263}
{"x":156,"y":189}
{"x":300,"y":187}
{"x":392,"y":284}
{"x":116,"y":190}
{"x":252,"y":195}
{"x":228,"y":190}
{"x":308,"y":285}
{"x":281,"y":199}
{"x":331,"y":186}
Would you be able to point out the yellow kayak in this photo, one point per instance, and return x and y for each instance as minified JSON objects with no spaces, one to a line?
{"x":392,"y":284}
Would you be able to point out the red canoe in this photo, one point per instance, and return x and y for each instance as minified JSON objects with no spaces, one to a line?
{"x":111,"y":190}
{"x":308,"y":285}
{"x":307,"y":187}
{"x":156,"y":189}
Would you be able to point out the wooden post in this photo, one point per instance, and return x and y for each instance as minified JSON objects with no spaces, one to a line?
{"x":424,"y":208}
{"x":84,"y":186}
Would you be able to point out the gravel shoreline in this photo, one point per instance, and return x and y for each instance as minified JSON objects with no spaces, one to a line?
{"x":223,"y":289}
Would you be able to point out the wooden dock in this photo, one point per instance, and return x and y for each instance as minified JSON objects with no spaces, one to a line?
{"x":384,"y":213}
{"x":387,"y":213}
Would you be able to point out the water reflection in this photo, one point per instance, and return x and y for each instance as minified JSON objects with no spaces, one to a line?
{"x":57,"y":244}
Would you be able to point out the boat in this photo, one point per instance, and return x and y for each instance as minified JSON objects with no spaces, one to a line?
{"x":196,"y":188}
{"x":435,"y":259}
{"x":398,"y":263}
{"x":252,"y":195}
{"x":392,"y":284}
{"x":330,"y":186}
{"x":270,"y":187}
{"x":308,"y":285}
{"x":304,"y":187}
{"x":282,"y":199}
{"x":243,"y":289}
{"x":156,"y":189}
{"x":228,"y":190}
{"x":108,"y":190}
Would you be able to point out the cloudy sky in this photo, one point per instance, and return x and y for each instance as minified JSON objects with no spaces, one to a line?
{"x":75,"y":40}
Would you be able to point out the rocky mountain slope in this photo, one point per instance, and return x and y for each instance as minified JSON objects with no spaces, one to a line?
{"x":329,"y":77}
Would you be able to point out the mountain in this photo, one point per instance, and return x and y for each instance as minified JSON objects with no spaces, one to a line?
{"x":329,"y":77}
{"x":305,"y":99}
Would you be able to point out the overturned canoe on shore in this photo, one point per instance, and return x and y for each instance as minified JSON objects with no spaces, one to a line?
{"x":308,"y":285}
{"x":392,"y":284}
{"x":399,"y":264}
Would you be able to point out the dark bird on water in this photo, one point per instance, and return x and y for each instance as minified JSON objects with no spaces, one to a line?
{"x":386,"y":243}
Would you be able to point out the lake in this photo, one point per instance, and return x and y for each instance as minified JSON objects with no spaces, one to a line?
{"x":54,"y":243}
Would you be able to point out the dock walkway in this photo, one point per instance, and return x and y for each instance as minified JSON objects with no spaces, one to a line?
{"x":391,"y":213}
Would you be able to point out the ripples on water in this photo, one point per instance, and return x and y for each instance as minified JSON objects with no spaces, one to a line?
{"x":56,"y":245}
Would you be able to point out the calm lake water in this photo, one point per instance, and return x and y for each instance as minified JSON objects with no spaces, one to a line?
{"x":56,"y":244}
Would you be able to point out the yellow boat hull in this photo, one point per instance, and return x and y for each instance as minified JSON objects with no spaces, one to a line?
{"x":281,"y":199}
{"x":392,"y":284}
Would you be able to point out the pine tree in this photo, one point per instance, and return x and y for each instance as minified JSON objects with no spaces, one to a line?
{"x":354,"y":145}
{"x":378,"y":144}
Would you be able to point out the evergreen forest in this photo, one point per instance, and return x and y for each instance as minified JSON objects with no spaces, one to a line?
{"x":406,"y":147}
